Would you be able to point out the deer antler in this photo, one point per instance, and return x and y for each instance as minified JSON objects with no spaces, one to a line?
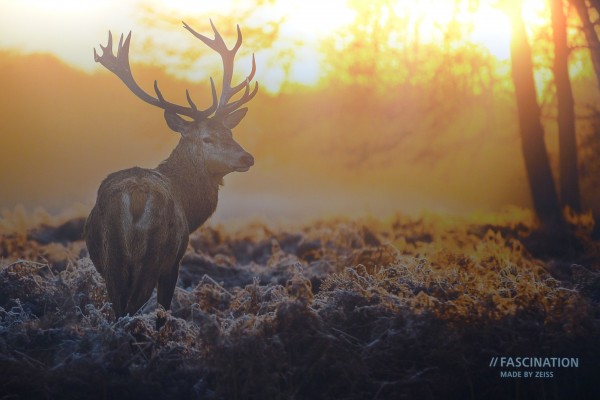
{"x":119,"y":65}
{"x":228,"y":56}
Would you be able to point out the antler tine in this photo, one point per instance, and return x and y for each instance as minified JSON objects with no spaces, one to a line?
{"x":238,"y":42}
{"x":190,"y":102}
{"x":217,"y":44}
{"x":246,"y":97}
{"x":227,"y":55}
{"x":104,"y":48}
{"x":119,"y":65}
{"x":239,"y":87}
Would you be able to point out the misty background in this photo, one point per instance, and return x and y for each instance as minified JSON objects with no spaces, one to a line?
{"x":367,"y":118}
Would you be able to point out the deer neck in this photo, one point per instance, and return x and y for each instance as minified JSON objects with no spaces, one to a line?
{"x":194,"y":188}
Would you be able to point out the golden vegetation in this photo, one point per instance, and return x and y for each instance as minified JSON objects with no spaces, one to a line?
{"x":338,"y":308}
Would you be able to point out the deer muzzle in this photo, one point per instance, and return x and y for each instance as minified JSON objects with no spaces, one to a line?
{"x":244,"y":163}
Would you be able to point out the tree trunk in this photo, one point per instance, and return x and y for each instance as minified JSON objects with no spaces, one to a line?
{"x":541,"y":182}
{"x":569,"y":169}
{"x":590,"y":35}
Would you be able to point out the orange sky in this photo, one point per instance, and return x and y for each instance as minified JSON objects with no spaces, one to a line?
{"x":332,"y":148}
{"x":62,"y":136}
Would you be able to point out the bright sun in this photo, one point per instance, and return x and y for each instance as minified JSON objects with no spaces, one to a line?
{"x":308,"y":24}
{"x":70,"y":28}
{"x":492,"y":30}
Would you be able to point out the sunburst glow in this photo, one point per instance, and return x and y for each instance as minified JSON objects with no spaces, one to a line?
{"x":70,"y":28}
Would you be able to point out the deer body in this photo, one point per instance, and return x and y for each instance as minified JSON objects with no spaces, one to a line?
{"x":136,"y":236}
{"x":138,"y":230}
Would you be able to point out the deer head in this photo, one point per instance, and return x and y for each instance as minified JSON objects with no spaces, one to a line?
{"x":206,"y":135}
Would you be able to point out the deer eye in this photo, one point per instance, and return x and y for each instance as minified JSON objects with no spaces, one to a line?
{"x":207,"y":140}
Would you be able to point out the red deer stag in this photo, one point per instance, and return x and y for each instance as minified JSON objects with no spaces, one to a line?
{"x":139,"y":228}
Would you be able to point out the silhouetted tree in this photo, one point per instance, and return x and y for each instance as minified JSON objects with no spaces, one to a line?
{"x":569,"y":171}
{"x":539,"y":173}
{"x":590,"y":32}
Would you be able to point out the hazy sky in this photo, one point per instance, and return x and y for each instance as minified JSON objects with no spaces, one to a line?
{"x":69,"y":29}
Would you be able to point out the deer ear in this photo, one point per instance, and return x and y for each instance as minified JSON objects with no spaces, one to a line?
{"x":233,"y":119}
{"x":176,"y":123}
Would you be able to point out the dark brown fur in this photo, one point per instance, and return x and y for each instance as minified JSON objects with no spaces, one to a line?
{"x":139,"y":228}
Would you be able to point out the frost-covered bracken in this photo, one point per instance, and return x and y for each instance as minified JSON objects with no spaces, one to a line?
{"x":344,"y":309}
